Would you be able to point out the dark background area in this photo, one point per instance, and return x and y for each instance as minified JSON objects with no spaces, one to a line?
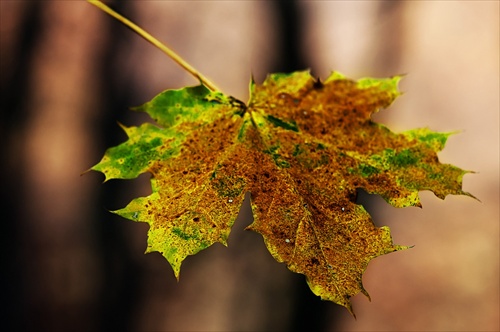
{"x":69,"y":73}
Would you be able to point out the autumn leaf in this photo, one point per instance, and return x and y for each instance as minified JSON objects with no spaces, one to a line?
{"x":302,"y":148}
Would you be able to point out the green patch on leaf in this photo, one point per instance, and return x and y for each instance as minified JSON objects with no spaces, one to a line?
{"x":403,"y":158}
{"x":283,"y":124}
{"x":367,"y":170}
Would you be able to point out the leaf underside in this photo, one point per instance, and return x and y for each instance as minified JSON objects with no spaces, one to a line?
{"x":301,"y":147}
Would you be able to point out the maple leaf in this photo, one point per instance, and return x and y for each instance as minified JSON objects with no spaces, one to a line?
{"x":302,"y":148}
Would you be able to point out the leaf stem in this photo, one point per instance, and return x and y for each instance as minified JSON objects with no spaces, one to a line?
{"x":141,"y":32}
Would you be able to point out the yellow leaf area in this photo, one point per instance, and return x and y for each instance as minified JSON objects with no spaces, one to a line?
{"x":301,"y":147}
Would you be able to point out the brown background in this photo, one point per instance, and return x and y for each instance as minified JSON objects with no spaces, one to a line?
{"x":69,"y":72}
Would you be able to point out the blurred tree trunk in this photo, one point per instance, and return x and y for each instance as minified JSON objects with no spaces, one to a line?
{"x":52,"y":56}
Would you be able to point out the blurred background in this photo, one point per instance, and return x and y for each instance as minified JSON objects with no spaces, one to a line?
{"x":69,"y":72}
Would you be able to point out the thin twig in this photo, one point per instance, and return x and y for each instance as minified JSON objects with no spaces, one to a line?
{"x":174,"y":56}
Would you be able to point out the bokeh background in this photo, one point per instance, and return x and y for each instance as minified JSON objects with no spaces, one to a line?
{"x":69,"y":72}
